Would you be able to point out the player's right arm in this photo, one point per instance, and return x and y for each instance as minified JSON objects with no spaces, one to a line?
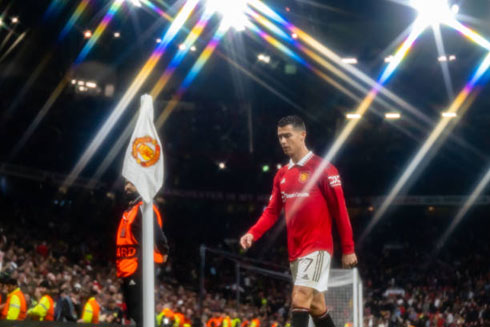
{"x":268,"y":218}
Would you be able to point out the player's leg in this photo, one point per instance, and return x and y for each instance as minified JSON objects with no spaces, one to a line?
{"x":300,"y":302}
{"x":319,"y":311}
{"x":306,"y":272}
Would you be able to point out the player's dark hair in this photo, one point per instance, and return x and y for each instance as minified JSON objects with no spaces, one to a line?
{"x":293,"y":120}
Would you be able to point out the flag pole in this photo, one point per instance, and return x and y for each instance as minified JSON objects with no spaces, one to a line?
{"x":148,"y":267}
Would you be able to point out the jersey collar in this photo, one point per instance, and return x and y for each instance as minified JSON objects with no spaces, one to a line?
{"x":301,"y":162}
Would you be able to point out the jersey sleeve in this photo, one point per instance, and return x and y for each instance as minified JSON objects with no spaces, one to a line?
{"x":331,"y":185}
{"x":271,"y":213}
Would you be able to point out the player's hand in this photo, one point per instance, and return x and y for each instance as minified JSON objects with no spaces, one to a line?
{"x":246,"y":241}
{"x":349,"y":260}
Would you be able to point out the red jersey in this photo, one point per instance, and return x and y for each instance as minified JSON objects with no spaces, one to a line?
{"x":309,"y":227}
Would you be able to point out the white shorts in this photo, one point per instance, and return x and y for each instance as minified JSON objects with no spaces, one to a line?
{"x":312,"y":270}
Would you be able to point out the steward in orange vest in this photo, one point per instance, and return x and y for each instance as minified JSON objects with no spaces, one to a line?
{"x":15,"y":308}
{"x":44,"y":310}
{"x":128,"y":251}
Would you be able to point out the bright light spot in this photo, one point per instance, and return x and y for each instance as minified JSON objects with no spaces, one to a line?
{"x":353,"y":116}
{"x":232,"y":12}
{"x":389,"y":59}
{"x":73,"y":81}
{"x":433,"y":12}
{"x":278,"y":166}
{"x":452,"y":58}
{"x":294,"y":36}
{"x":158,"y":40}
{"x":14,"y":20}
{"x":182,"y":46}
{"x":431,"y":208}
{"x":442,"y":58}
{"x":117,"y":35}
{"x":91,"y":85}
{"x":392,"y":115}
{"x":87,"y":34}
{"x":455,"y":9}
{"x":370,"y":208}
{"x":82,"y":88}
{"x":222,"y":165}
{"x":264,"y":58}
{"x":136,"y":3}
{"x":265,"y":168}
{"x":81,"y":83}
{"x":1,"y":22}
{"x":351,"y":61}
{"x":287,"y":9}
{"x":449,"y":114}
{"x":193,"y":48}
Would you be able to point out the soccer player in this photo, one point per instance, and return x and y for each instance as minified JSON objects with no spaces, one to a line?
{"x":309,"y":213}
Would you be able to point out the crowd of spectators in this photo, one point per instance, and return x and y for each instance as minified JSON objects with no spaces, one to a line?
{"x":441,"y":291}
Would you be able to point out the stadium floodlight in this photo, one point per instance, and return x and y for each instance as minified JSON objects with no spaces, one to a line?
{"x":263,"y":57}
{"x":294,"y":36}
{"x":278,"y":166}
{"x":91,"y":85}
{"x":392,"y":115}
{"x":232,"y":12}
{"x":135,"y":3}
{"x":73,"y":81}
{"x":452,"y":58}
{"x":433,"y":12}
{"x":182,"y":46}
{"x":351,"y":61}
{"x":14,"y":20}
{"x":265,"y":168}
{"x":455,"y":9}
{"x":158,"y":40}
{"x":221,"y":165}
{"x":449,"y":114}
{"x":117,"y":35}
{"x":389,"y":59}
{"x":442,"y":58}
{"x":193,"y":48}
{"x":87,"y":34}
{"x":353,"y":116}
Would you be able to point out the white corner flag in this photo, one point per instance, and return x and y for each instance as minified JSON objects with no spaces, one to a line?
{"x":143,"y":163}
{"x":143,"y":166}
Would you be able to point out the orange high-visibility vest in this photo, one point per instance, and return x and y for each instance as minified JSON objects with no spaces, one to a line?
{"x":50,"y":314}
{"x":214,"y":322}
{"x":255,"y":323}
{"x":93,"y":306}
{"x":245,"y":323}
{"x":23,"y":306}
{"x":126,"y":244}
{"x":226,"y":322}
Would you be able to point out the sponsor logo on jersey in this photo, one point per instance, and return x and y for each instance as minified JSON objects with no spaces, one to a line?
{"x":283,"y":180}
{"x":334,"y":180}
{"x":286,"y":196}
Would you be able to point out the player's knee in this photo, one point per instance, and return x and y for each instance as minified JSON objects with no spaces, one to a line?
{"x":302,"y":297}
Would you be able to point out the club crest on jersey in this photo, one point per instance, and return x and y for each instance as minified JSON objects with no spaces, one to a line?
{"x":146,"y":151}
{"x":303,"y":176}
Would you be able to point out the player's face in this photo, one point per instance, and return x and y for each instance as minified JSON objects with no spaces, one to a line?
{"x":291,"y":139}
